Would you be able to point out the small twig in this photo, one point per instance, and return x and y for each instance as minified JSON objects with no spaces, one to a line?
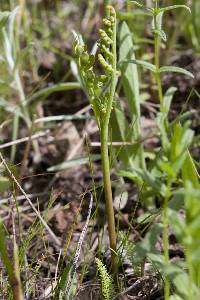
{"x":21,"y":197}
{"x":29,"y":200}
{"x":98,"y":144}
{"x":134,"y":286}
{"x":25,"y":139}
{"x":56,"y":272}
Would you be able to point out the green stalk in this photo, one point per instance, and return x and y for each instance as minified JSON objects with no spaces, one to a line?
{"x":14,"y":279}
{"x":106,"y":163}
{"x":102,"y":102}
{"x":106,"y":2}
{"x":166,"y":245}
{"x":108,"y":198}
{"x":165,"y":218}
{"x":157,"y":59}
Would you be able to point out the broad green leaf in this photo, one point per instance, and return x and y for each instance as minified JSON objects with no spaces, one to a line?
{"x":156,"y":259}
{"x":167,"y":99}
{"x":181,"y":140}
{"x":130,"y":83}
{"x":167,"y":168}
{"x":178,"y":163}
{"x":180,"y":279}
{"x":178,"y":224}
{"x":152,"y":181}
{"x":186,"y":140}
{"x":177,"y":202}
{"x":132,"y":176}
{"x":174,"y":69}
{"x":130,"y":78}
{"x":192,"y":203}
{"x":181,"y":282}
{"x":147,"y":247}
{"x":161,"y":123}
{"x":189,"y":171}
{"x":122,"y":132}
{"x":73,"y":163}
{"x":141,"y":63}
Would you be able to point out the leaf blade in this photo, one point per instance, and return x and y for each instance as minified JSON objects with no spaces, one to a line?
{"x":174,"y":69}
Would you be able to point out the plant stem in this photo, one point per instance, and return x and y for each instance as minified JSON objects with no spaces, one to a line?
{"x":165,"y":218}
{"x":106,"y":2}
{"x":8,"y":264}
{"x":106,"y":163}
{"x":166,"y":245}
{"x":108,"y":198}
{"x":190,"y":270}
{"x":157,"y":60}
{"x":157,"y":74}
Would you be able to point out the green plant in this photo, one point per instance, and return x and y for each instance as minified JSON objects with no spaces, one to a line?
{"x":132,"y":156}
{"x":171,"y":152}
{"x":101,"y":92}
{"x":10,"y":62}
{"x":107,"y":286}
{"x":165,"y":174}
{"x":187,"y":230}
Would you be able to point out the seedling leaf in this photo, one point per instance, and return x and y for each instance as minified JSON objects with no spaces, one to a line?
{"x":175,"y":70}
{"x":141,"y":63}
{"x":168,"y":98}
{"x":164,"y":9}
{"x":189,"y":171}
{"x":130,"y":83}
{"x":73,"y":163}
